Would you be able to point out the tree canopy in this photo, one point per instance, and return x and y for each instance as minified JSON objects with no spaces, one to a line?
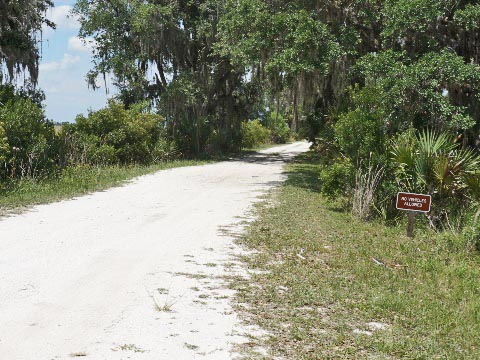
{"x":163,"y":51}
{"x":21,"y":24}
{"x":211,"y":64}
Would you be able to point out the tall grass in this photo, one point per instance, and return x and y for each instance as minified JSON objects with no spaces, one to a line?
{"x":366,"y":184}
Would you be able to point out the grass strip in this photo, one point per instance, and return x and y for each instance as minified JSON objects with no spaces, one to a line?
{"x":328,"y":286}
{"x":74,"y":181}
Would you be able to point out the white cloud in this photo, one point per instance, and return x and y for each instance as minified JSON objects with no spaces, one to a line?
{"x":77,"y":44}
{"x":63,"y":19}
{"x":66,"y":62}
{"x":61,"y":15}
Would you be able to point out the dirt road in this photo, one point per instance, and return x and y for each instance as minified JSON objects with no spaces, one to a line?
{"x":133,"y":272}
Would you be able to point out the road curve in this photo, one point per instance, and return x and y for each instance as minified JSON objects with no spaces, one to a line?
{"x":132,"y":272}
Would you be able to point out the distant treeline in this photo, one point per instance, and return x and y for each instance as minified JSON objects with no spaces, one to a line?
{"x":32,"y":146}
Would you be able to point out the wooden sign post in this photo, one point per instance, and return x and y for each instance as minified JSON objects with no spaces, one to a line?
{"x":413,"y":203}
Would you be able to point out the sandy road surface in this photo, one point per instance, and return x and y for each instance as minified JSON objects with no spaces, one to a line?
{"x":132,"y":272}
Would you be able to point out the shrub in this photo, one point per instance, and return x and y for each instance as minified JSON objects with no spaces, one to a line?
{"x":432,"y":162}
{"x":165,"y":150}
{"x":26,"y":138}
{"x":254,"y":134}
{"x":337,"y":179}
{"x":360,"y":134}
{"x":114,"y":135}
{"x":280,"y":132}
{"x":4,"y":148}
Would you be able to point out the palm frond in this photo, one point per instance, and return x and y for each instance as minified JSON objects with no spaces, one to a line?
{"x":403,"y":152}
{"x":465,"y":161}
{"x":472,"y":181}
{"x":430,"y":142}
{"x":441,"y":168}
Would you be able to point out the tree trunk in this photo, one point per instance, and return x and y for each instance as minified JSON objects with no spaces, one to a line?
{"x":293,"y":128}
{"x":197,"y":135}
{"x":278,"y":109}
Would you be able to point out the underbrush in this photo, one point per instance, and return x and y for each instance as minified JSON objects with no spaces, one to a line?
{"x":331,"y":286}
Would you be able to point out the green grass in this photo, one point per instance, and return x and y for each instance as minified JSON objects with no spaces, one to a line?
{"x":322,"y":286}
{"x":74,"y":181}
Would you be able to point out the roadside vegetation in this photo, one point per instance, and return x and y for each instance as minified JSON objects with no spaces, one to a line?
{"x":19,"y":194}
{"x":388,"y":92}
{"x":327,"y":285}
{"x":41,"y":162}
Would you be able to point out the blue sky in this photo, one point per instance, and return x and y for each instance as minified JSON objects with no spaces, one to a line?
{"x":63,"y":66}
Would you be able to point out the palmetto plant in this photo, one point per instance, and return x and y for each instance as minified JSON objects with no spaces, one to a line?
{"x":431,"y":162}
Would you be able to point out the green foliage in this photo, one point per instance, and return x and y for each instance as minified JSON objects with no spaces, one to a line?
{"x":4,"y":147}
{"x":418,"y":93}
{"x":294,"y":41}
{"x":468,"y":17}
{"x":406,"y":17}
{"x":254,"y":134}
{"x":337,"y":179}
{"x":221,"y":59}
{"x":28,"y":138}
{"x":278,"y":127}
{"x":360,"y":135}
{"x":20,"y":22}
{"x":417,"y":54}
{"x":472,"y":181}
{"x":304,"y":45}
{"x":283,"y":47}
{"x":174,"y":40}
{"x":114,"y":135}
{"x":431,"y":162}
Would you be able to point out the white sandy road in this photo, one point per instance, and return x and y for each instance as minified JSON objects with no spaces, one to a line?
{"x":132,"y":272}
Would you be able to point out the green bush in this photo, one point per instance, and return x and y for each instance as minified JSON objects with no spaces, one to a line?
{"x":165,"y":150}
{"x":280,"y":132}
{"x":26,"y":138}
{"x":114,"y":135}
{"x":337,"y":179}
{"x":432,"y":162}
{"x":254,"y":134}
{"x":4,"y":148}
{"x":360,"y":134}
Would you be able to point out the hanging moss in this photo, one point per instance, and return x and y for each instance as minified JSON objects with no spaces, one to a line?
{"x":20,"y":31}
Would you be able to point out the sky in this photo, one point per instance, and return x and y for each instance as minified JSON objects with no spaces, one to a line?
{"x":64,"y":63}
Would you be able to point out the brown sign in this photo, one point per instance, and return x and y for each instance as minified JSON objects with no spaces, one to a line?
{"x":413,"y":202}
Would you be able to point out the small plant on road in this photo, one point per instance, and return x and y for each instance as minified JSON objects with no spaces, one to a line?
{"x":166,"y":306}
{"x":129,"y":347}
